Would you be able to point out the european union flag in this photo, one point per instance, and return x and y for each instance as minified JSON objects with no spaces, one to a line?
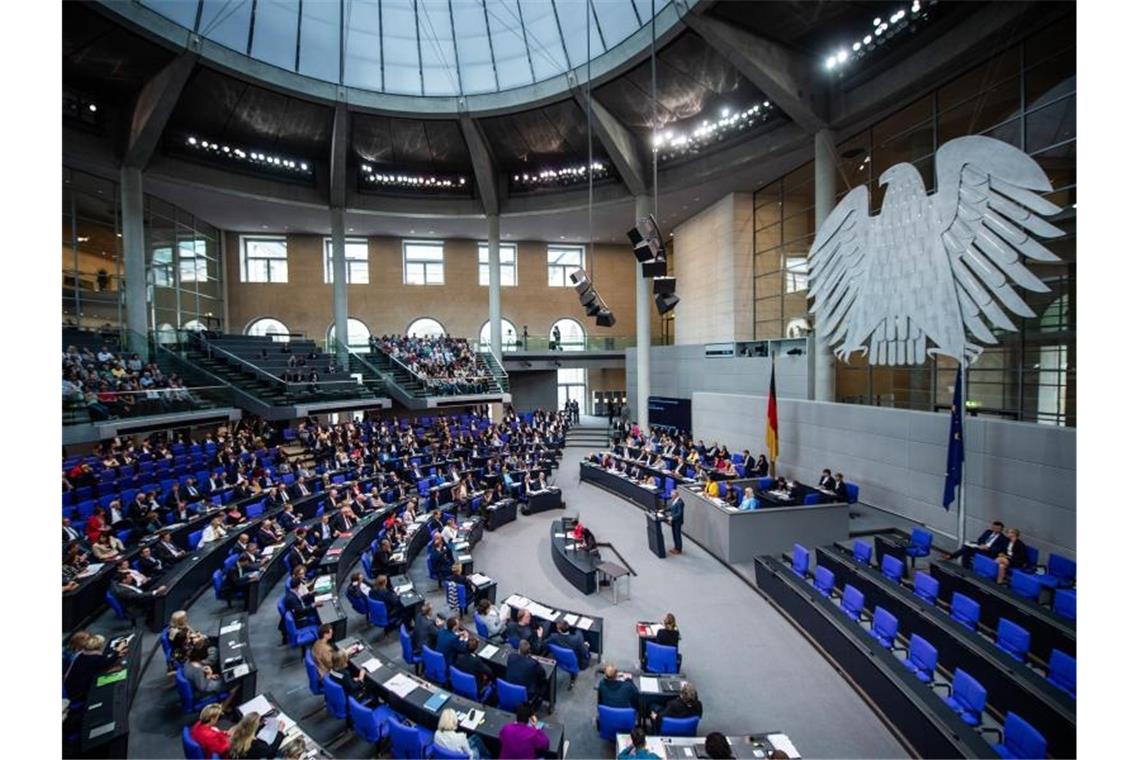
{"x":956,"y":450}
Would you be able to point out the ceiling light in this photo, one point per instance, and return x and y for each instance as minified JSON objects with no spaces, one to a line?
{"x":831,"y":62}
{"x":841,"y":56}
{"x":877,"y":21}
{"x":92,"y":108}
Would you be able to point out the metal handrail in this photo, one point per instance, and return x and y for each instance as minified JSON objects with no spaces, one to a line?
{"x":332,"y":348}
{"x":260,"y":371}
{"x":417,"y":375}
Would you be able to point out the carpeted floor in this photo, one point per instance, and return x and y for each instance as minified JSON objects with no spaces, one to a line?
{"x":753,"y":671}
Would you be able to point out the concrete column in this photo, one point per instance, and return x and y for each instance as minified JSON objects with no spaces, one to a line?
{"x":643,"y":206}
{"x":134,"y":258}
{"x":495,"y":305}
{"x":823,"y":387}
{"x":340,"y":287}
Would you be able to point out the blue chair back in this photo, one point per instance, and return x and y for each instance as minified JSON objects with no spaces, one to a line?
{"x":511,"y":695}
{"x":1025,"y":585}
{"x":377,"y":613}
{"x":811,"y":498}
{"x":1065,"y":604}
{"x":920,"y":541}
{"x":464,"y":684}
{"x":893,"y":568}
{"x":926,"y":587}
{"x":336,"y":703}
{"x":185,"y":691}
{"x":364,"y":722}
{"x":116,"y":606}
{"x":1062,"y":568}
{"x":566,"y":658}
{"x":660,"y":658}
{"x":1021,"y":739}
{"x":863,"y":552}
{"x":314,"y":675}
{"x":193,"y":540}
{"x":481,"y":628}
{"x":218,"y":579}
{"x":965,"y":610}
{"x":124,"y":535}
{"x":801,"y":559}
{"x":967,"y":697}
{"x":852,"y":493}
{"x":407,"y":741}
{"x":435,"y":666}
{"x":852,"y":602}
{"x":255,"y":510}
{"x":615,"y":720}
{"x":299,"y":637}
{"x":824,"y":581}
{"x":884,"y":627}
{"x":167,"y":648}
{"x":922,"y":658}
{"x":366,"y":561}
{"x":985,"y":567}
{"x":359,"y":603}
{"x":406,"y":647}
{"x":230,"y":561}
{"x":680,"y":726}
{"x":442,"y":753}
{"x":1063,"y":672}
{"x":190,"y":748}
{"x":1012,"y":638}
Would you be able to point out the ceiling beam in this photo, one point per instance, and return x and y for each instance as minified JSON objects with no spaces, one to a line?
{"x":619,"y":143}
{"x":338,"y":156}
{"x":153,"y":106}
{"x":783,"y":75}
{"x":486,"y":175}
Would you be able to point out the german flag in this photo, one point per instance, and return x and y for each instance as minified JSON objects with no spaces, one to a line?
{"x":773,"y":426}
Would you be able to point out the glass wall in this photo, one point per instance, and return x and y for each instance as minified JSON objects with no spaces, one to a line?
{"x":1025,"y":96}
{"x":183,"y":260}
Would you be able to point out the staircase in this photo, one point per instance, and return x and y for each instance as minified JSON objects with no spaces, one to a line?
{"x":495,"y":368}
{"x":593,"y":438}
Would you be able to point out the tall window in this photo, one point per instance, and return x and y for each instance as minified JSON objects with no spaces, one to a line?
{"x":358,"y":334}
{"x":795,"y":274}
{"x":355,"y":260}
{"x":426,"y":327}
{"x":264,"y":259}
{"x":572,"y":387}
{"x":561,"y":261}
{"x":507,"y":258}
{"x":269,"y":326}
{"x":510,"y":336}
{"x":162,"y":268}
{"x":570,"y":336}
{"x":193,"y":265}
{"x":423,"y":262}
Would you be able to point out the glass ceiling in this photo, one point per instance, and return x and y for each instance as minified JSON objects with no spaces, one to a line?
{"x":417,"y":47}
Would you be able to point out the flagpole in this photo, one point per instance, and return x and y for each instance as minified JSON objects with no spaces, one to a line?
{"x":962,"y":475}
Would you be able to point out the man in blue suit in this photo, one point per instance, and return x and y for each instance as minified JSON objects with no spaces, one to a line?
{"x":574,"y":641}
{"x":676,"y":519}
{"x":524,"y":670}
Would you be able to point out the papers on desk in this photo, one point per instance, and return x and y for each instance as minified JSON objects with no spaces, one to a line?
{"x":647,"y":685}
{"x":268,"y":550}
{"x":650,"y":629}
{"x":514,"y":600}
{"x":404,"y":588}
{"x":471,"y":719}
{"x":463,"y":559}
{"x":258,"y":704}
{"x":584,"y":623}
{"x":91,"y":569}
{"x":323,"y":597}
{"x":782,"y":742}
{"x":479,"y":579}
{"x":268,"y":732}
{"x":106,"y":728}
{"x":234,"y":626}
{"x":538,"y":610}
{"x":488,"y":651}
{"x":560,"y":535}
{"x":239,"y":671}
{"x":570,"y":619}
{"x":459,"y":546}
{"x":371,"y":665}
{"x":401,"y":685}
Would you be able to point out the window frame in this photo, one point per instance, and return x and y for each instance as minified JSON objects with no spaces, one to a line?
{"x":483,"y":262}
{"x":424,"y":262}
{"x":349,"y":261}
{"x":245,"y":260}
{"x":198,"y":259}
{"x":408,"y":329}
{"x":563,"y":269}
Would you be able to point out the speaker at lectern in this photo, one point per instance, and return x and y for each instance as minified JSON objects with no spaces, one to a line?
{"x":653,"y":532}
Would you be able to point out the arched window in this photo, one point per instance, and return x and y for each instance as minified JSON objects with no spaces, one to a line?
{"x":571,"y":335}
{"x":426,"y":327}
{"x":166,"y":334}
{"x":510,"y":336}
{"x":358,"y":333}
{"x":194,"y":325}
{"x":269,"y":326}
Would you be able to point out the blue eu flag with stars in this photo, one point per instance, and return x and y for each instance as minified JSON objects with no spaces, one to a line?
{"x":956,"y":450}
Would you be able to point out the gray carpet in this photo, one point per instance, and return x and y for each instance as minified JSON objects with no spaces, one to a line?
{"x":754,"y":672}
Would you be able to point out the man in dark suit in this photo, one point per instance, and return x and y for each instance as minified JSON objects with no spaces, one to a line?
{"x":468,"y":661}
{"x":425,"y":630}
{"x":524,"y":670}
{"x":841,"y":488}
{"x":448,"y":642}
{"x":149,"y":565}
{"x":299,"y":555}
{"x":572,"y":640}
{"x":749,"y":464}
{"x":991,"y":542}
{"x":826,"y":482}
{"x":70,"y":533}
{"x":300,"y":489}
{"x":288,"y":518}
{"x":522,"y":630}
{"x":239,"y":576}
{"x":382,"y":592}
{"x":301,"y":602}
{"x":191,"y":492}
{"x":166,"y":550}
{"x":126,"y":589}
{"x":216,"y":483}
{"x":616,"y":692}
{"x":676,"y":519}
{"x":342,"y":523}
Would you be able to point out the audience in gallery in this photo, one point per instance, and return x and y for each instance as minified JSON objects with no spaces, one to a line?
{"x":111,"y":384}
{"x":446,"y":365}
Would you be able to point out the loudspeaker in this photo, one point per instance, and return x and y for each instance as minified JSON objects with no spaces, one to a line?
{"x":606,"y":318}
{"x":655,"y":268}
{"x":664,"y":285}
{"x":666,"y":303}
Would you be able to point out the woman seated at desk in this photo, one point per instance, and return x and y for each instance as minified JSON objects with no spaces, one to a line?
{"x":730,"y":497}
{"x":750,"y":501}
{"x":535,"y":482}
{"x":658,"y":463}
{"x":712,"y":488}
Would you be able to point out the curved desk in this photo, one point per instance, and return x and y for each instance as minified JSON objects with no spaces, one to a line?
{"x":593,"y":631}
{"x":643,"y":496}
{"x":576,"y":565}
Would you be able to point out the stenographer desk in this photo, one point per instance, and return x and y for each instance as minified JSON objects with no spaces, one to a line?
{"x":576,"y":564}
{"x":645,"y":497}
{"x":758,"y":745}
{"x":734,"y":535}
{"x":235,"y":655}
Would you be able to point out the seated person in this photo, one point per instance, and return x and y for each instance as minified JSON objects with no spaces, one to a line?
{"x":840,"y":489}
{"x":523,"y":630}
{"x":524,"y":670}
{"x":246,"y":741}
{"x":215,"y":531}
{"x":126,"y":589}
{"x":322,"y":650}
{"x":826,"y":482}
{"x":450,"y":532}
{"x":730,"y":497}
{"x":108,"y":547}
{"x":353,"y":687}
{"x":202,"y":677}
{"x":750,"y":501}
{"x":718,"y":748}
{"x":1012,"y":556}
{"x":448,"y":736}
{"x":712,"y":489}
{"x":523,"y":738}
{"x":440,"y":558}
{"x":991,"y":543}
{"x":616,"y":692}
{"x":88,"y":664}
{"x":382,"y":592}
{"x":668,"y":635}
{"x":637,"y":748}
{"x":572,"y":640}
{"x":686,"y":705}
{"x":468,"y":661}
{"x":357,"y":591}
{"x":487,"y":614}
{"x":214,"y":741}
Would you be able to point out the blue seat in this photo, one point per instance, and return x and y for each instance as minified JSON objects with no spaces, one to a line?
{"x":1025,"y":585}
{"x":615,"y":720}
{"x":1060,"y":572}
{"x":167,"y":648}
{"x":921,"y":659}
{"x":465,"y":684}
{"x":926,"y":587}
{"x":824,"y":581}
{"x":863,"y":552}
{"x":1065,"y":604}
{"x":366,"y":561}
{"x":566,"y":659}
{"x":812,"y":498}
{"x":378,"y":613}
{"x":852,"y":602}
{"x":1021,"y":739}
{"x":359,"y":603}
{"x":457,"y":597}
{"x":967,"y":697}
{"x":408,"y":741}
{"x":801,"y":559}
{"x":406,"y":649}
{"x":965,"y":610}
{"x":256,"y":510}
{"x":680,"y":726}
{"x":117,"y":607}
{"x":435,"y":666}
{"x":299,"y":637}
{"x":124,"y":535}
{"x":190,"y":748}
{"x":336,"y":702}
{"x":1012,"y":638}
{"x":193,"y":540}
{"x":893,"y":568}
{"x":442,"y":753}
{"x":190,"y":705}
{"x":1063,"y":672}
{"x":660,"y":658}
{"x":314,"y":675}
{"x":481,"y":628}
{"x":852,"y":493}
{"x":884,"y":627}
{"x":985,"y":567}
{"x":511,"y":695}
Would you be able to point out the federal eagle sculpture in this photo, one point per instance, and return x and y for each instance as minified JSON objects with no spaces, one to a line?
{"x":932,"y":273}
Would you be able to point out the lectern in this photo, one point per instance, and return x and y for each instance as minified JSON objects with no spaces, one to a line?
{"x":656,"y":538}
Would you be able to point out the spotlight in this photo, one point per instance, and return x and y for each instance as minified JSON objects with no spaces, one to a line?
{"x":666,"y":302}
